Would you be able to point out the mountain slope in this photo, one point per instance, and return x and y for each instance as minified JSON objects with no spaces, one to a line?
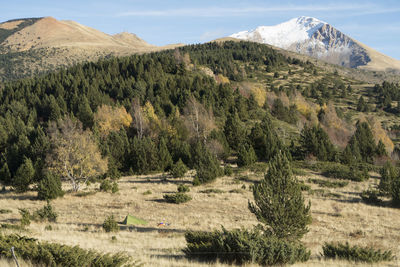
{"x":31,"y":46}
{"x":49,"y":32}
{"x":313,"y":37}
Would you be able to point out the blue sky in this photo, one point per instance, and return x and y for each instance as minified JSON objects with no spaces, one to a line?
{"x":374,"y":23}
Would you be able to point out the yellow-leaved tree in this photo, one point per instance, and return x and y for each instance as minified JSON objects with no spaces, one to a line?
{"x":74,"y":154}
{"x":109,"y":118}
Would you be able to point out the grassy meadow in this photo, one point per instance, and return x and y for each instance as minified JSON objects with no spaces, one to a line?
{"x":338,"y":215}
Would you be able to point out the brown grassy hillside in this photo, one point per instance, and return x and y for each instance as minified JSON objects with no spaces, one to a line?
{"x":48,"y":44}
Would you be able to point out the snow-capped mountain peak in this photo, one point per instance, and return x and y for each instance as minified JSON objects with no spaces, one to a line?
{"x":285,"y":34}
{"x":312,"y":37}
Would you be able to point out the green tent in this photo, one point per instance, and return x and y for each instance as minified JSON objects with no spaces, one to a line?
{"x":131,"y":220}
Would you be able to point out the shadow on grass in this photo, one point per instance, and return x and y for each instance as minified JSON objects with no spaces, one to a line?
{"x":159,"y":179}
{"x":348,"y":200}
{"x":158,"y":200}
{"x":10,"y":221}
{"x":18,"y":197}
{"x":146,"y":229}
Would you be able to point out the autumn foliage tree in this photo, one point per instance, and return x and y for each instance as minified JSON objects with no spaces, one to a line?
{"x":198,"y":119}
{"x":109,"y":118}
{"x":74,"y":155}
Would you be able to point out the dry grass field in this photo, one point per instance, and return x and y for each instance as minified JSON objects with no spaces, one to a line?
{"x":338,"y":215}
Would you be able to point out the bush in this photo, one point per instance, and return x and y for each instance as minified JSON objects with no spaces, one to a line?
{"x":53,"y":254}
{"x":212,"y":190}
{"x":371,"y":196}
{"x":355,"y":253}
{"x":178,"y":169}
{"x":183,"y":188}
{"x":228,"y":170}
{"x":105,"y":185}
{"x":177,"y":198}
{"x":110,"y":225}
{"x":114,"y":188}
{"x":337,"y":170}
{"x":25,"y":217}
{"x":45,"y":213}
{"x":147,"y":192}
{"x":49,"y":187}
{"x":242,"y":246}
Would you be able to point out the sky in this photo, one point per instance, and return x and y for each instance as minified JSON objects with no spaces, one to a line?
{"x":374,"y":23}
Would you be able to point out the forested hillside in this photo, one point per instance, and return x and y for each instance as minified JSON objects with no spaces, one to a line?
{"x":198,"y":103}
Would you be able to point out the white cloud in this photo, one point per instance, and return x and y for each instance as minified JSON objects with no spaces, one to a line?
{"x":213,"y":34}
{"x":357,"y":9}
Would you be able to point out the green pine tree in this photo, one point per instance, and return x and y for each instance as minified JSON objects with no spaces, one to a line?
{"x":381,"y":149}
{"x":5,"y":175}
{"x":388,"y":175}
{"x":24,"y":176}
{"x":361,"y":105}
{"x":85,"y":113}
{"x":279,"y":203}
{"x":165,"y":159}
{"x":362,"y":144}
{"x":234,"y":131}
{"x":246,"y":155}
{"x":315,"y":141}
{"x":205,"y":163}
{"x":49,"y":187}
{"x":264,"y":139}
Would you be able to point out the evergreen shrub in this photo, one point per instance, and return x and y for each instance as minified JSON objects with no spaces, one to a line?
{"x":242,"y":246}
{"x":177,"y":198}
{"x":53,"y":254}
{"x":110,"y":225}
{"x":355,"y":253}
